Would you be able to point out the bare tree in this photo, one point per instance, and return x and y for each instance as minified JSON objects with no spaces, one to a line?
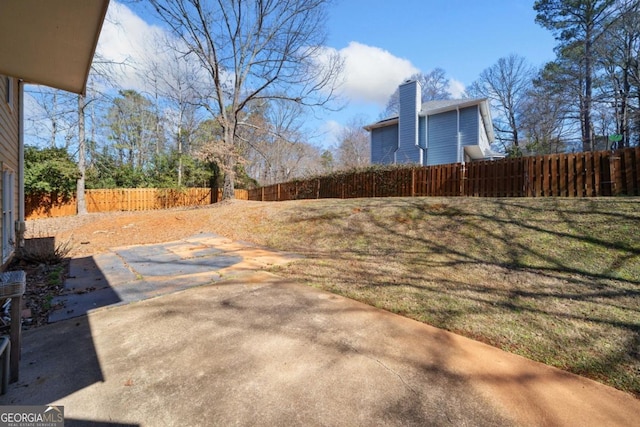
{"x":274,"y":144}
{"x":434,"y":84}
{"x":253,"y":52}
{"x":102,"y":73}
{"x":53,"y":122}
{"x":175,"y":80}
{"x":506,"y":84}
{"x":353,"y":147}
{"x":546,"y":128}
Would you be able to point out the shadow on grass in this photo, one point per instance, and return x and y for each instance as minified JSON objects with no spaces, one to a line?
{"x":555,"y":280}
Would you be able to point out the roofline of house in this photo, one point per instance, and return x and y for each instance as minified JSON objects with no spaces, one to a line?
{"x":382,"y":123}
{"x":51,"y":42}
{"x":483,"y":103}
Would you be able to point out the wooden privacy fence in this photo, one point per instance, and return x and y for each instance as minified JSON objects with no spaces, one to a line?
{"x":124,"y":199}
{"x":590,"y":174}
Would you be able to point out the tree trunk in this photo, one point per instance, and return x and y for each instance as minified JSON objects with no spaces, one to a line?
{"x":228,"y":190}
{"x":81,"y":202}
{"x":626,"y":94}
{"x":180,"y":152}
{"x":587,"y":137}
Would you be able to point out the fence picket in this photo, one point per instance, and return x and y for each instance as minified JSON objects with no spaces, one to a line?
{"x":131,"y":199}
{"x":567,"y":175}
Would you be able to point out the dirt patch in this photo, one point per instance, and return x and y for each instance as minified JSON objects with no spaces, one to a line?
{"x":96,"y":233}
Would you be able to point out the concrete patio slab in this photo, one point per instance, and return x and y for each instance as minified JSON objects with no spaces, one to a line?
{"x":259,"y":350}
{"x":133,"y":273}
{"x":256,"y":349}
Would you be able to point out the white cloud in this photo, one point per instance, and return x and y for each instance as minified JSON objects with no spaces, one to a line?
{"x":126,"y":40}
{"x":456,"y":88}
{"x":371,"y":74}
{"x":333,"y":129}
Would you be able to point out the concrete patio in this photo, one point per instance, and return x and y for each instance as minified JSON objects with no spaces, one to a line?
{"x":256,"y":349}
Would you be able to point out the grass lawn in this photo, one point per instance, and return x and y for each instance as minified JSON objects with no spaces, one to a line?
{"x":554,"y":280}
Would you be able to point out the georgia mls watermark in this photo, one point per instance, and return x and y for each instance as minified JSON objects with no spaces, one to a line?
{"x":32,"y":416}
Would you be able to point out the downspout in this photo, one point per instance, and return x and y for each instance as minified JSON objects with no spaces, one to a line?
{"x":460,"y":158}
{"x":426,"y":140}
{"x":20,"y":224}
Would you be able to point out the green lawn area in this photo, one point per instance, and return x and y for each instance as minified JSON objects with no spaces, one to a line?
{"x":554,"y":280}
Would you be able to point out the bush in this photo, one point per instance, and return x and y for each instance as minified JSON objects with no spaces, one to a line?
{"x":49,"y":171}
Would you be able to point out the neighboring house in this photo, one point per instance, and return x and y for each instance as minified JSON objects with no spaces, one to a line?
{"x":41,"y":42}
{"x":434,"y":132}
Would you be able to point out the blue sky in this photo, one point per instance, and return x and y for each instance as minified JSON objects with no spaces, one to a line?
{"x":382,"y":43}
{"x":463,"y":37}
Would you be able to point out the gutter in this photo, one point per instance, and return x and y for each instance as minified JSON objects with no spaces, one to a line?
{"x":20,"y":223}
{"x":460,"y":158}
{"x":381,"y":124}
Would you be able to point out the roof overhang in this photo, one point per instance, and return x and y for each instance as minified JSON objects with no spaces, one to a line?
{"x":485,"y":113}
{"x":483,"y":106}
{"x":50,"y":42}
{"x":462,"y":103}
{"x":382,"y":123}
{"x":474,"y":151}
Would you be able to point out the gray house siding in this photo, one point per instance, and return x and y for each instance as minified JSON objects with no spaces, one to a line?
{"x":469,"y":125}
{"x":408,"y":152}
{"x":384,"y":142}
{"x":422,"y":132}
{"x":432,"y":133}
{"x":443,"y":138}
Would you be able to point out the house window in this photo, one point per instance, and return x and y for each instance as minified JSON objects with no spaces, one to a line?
{"x":8,"y":212}
{"x":9,"y":93}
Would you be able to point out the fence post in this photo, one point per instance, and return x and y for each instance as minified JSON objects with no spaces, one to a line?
{"x":597,"y":173}
{"x":413,"y":182}
{"x":615,"y":174}
{"x":635,"y":159}
{"x":278,"y":198}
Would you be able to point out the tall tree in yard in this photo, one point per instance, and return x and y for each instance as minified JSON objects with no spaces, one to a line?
{"x":176,"y":83}
{"x":547,"y":124}
{"x":506,"y":84}
{"x":253,"y":51}
{"x":619,"y":52}
{"x":353,"y":147}
{"x":274,"y":147}
{"x":578,"y":24}
{"x":132,"y":124}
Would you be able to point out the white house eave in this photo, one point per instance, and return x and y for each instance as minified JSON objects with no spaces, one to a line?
{"x":453,"y":107}
{"x":381,"y":124}
{"x":485,"y":114}
{"x":474,"y":152}
{"x":50,"y":42}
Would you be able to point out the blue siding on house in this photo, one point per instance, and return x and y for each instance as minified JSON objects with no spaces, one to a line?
{"x":422,"y":132}
{"x":408,"y":152}
{"x":469,"y":125}
{"x":442,"y":131}
{"x":431,"y":133}
{"x":384,"y":143}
